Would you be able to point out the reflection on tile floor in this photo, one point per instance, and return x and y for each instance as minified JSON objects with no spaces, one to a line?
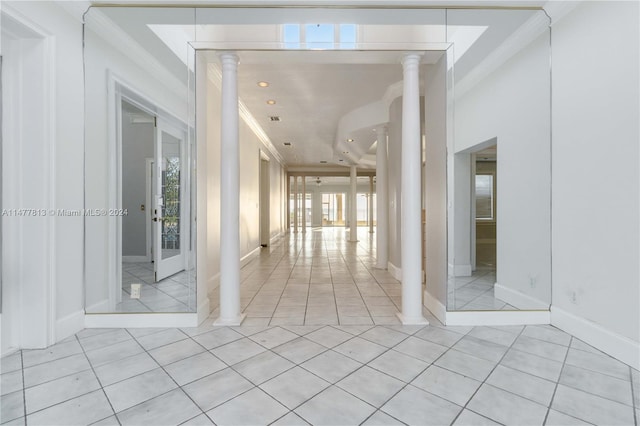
{"x":318,"y":278}
{"x":475,"y":293}
{"x":329,"y":375}
{"x":172,"y":294}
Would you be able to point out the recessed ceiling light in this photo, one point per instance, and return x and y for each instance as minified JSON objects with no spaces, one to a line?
{"x":271,"y":102}
{"x":287,"y":143}
{"x":345,"y":152}
{"x":349,"y":140}
{"x":263,"y":84}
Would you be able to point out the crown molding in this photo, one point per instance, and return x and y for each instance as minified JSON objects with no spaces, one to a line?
{"x":522,"y":37}
{"x":111,"y":33}
{"x":214,"y":74}
{"x":558,"y":9}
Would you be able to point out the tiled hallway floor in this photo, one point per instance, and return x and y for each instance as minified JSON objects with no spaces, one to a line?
{"x":319,"y":375}
{"x":318,"y":278}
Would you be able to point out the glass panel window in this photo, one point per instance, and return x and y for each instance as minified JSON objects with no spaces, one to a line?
{"x":484,"y":197}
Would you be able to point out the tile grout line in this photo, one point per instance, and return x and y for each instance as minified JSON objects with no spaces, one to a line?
{"x":553,"y":395}
{"x":483,"y":382}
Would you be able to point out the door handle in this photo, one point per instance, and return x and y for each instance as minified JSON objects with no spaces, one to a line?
{"x":157,"y":219}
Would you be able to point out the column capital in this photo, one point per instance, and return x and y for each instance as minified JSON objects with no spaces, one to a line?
{"x":228,"y":57}
{"x":412,"y":58}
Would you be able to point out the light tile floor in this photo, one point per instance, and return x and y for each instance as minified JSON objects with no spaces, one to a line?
{"x":299,"y":359}
{"x":172,"y":294}
{"x":475,"y":293}
{"x":319,"y":375}
{"x":318,"y":278}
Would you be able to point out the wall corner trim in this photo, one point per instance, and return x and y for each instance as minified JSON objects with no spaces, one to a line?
{"x":519,"y":299}
{"x":435,"y":306}
{"x":613,"y":344}
{"x":69,"y":325}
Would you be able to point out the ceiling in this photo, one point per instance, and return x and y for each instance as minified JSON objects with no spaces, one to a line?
{"x":314,"y":90}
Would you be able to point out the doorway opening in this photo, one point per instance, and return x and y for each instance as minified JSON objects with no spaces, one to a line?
{"x":154,"y":200}
{"x":265,"y":199}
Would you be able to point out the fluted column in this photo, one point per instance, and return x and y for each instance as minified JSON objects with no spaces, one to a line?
{"x":353,"y":200}
{"x":382,"y":204}
{"x":229,"y":195}
{"x":411,"y":196}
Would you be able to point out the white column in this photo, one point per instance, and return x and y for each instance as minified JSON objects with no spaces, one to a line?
{"x":371,"y":204}
{"x":353,"y":201}
{"x":304,"y":204}
{"x":295,"y":204}
{"x":411,"y":246}
{"x":288,"y":203}
{"x":382,"y":205}
{"x":229,"y":196}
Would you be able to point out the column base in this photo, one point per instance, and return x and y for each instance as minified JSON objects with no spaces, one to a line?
{"x":229,"y":322}
{"x":419,"y":320}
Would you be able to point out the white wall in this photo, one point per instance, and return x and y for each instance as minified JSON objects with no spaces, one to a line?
{"x":513,"y":105}
{"x":435,"y":184}
{"x":101,"y":61}
{"x":394,"y":188}
{"x":62,"y":186}
{"x":596,"y":281}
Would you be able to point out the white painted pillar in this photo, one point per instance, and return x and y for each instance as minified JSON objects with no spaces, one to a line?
{"x":295,"y":204}
{"x":371,"y":204}
{"x":353,"y":212}
{"x":304,"y":204}
{"x":382,"y":204}
{"x":288,"y":203}
{"x":411,"y":245}
{"x":229,"y":195}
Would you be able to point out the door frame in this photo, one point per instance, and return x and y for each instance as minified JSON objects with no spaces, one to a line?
{"x":118,"y":89}
{"x":265,"y":199}
{"x":29,"y":269}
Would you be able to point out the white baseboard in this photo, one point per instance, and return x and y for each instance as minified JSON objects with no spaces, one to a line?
{"x":394,"y":271}
{"x":518,"y":299}
{"x":275,"y":238}
{"x":498,"y":317}
{"x":616,"y":345}
{"x":69,"y":325}
{"x":464,"y":270}
{"x":140,"y":320}
{"x":435,"y":307}
{"x":244,"y":260}
{"x":102,"y":306}
{"x":135,"y":259}
{"x":203,"y":309}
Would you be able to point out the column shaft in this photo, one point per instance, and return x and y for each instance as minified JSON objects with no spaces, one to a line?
{"x":382,"y":205}
{"x":411,"y":246}
{"x":229,"y":196}
{"x":295,"y":204}
{"x":370,"y":216}
{"x":304,"y":204}
{"x":353,"y":212}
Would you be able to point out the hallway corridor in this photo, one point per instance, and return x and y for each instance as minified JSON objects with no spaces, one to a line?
{"x":318,"y":278}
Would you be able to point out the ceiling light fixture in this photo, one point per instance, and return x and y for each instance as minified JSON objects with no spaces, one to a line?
{"x":345,"y":152}
{"x":287,"y":143}
{"x":349,"y":140}
{"x":271,"y":102}
{"x":263,"y":84}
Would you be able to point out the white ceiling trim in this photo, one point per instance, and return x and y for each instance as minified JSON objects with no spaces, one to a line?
{"x":215,"y":76}
{"x":523,"y":36}
{"x":122,"y":42}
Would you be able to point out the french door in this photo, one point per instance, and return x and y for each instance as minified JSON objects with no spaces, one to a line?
{"x":169,"y":224}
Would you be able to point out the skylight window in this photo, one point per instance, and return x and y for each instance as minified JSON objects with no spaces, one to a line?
{"x":319,"y":36}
